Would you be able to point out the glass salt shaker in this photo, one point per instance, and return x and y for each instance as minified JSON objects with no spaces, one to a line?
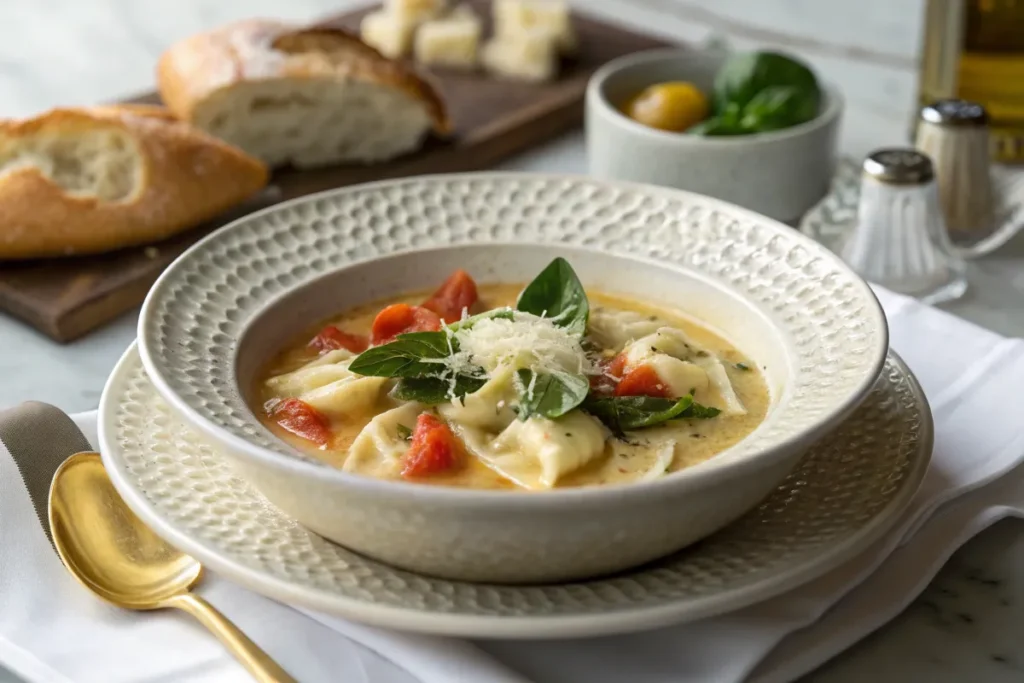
{"x":955,"y":135}
{"x":900,"y":240}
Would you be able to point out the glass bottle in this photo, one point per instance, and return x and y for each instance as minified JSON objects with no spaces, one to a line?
{"x":974,"y":50}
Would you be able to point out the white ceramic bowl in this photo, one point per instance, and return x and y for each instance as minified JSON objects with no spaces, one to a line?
{"x":218,"y":312}
{"x":780,"y":174}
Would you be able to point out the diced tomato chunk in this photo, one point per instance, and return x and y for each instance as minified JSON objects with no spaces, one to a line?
{"x":399,"y":319}
{"x":302,"y":419}
{"x":434,"y":449}
{"x":458,"y":292}
{"x":331,"y":338}
{"x":617,"y":368}
{"x":642,"y":380}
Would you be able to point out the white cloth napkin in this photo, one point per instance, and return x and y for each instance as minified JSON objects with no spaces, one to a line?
{"x":53,"y":630}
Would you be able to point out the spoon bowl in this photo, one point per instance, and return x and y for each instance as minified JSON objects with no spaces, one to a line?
{"x":114,"y":554}
{"x":108,"y":548}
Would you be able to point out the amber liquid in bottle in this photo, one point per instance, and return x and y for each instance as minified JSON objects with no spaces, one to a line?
{"x":974,"y":50}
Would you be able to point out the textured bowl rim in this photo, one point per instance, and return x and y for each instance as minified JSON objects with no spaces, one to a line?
{"x":520,"y":627}
{"x":690,"y":478}
{"x":834,"y":106}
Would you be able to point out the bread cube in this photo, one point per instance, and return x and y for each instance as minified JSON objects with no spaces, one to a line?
{"x":415,"y":12}
{"x":530,"y":55}
{"x":513,"y":17}
{"x":452,"y":41}
{"x":387,"y":33}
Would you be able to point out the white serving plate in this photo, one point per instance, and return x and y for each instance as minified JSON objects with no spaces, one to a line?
{"x":843,"y":495}
{"x":239,"y":295}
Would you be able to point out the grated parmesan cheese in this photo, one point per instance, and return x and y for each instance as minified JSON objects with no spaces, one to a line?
{"x":523,"y":341}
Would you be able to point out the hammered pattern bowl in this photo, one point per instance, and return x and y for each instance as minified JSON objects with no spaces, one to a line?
{"x":233,"y":300}
{"x":844,"y":494}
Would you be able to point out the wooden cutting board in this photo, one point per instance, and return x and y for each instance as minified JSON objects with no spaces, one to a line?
{"x":493,"y":119}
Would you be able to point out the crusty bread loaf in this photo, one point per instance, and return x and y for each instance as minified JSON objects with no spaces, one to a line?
{"x":305,"y":97}
{"x":79,"y":181}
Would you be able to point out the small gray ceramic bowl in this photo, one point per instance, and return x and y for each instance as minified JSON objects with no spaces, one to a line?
{"x":780,"y":174}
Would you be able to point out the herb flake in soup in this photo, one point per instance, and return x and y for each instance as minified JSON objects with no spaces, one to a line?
{"x":498,"y":386}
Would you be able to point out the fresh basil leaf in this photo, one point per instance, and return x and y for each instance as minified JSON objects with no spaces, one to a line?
{"x":726,"y":122}
{"x":777,"y":107}
{"x":557,"y":293}
{"x":744,"y":75}
{"x":622,"y":413}
{"x":406,"y":356}
{"x":404,"y":433}
{"x":434,"y":390}
{"x":716,"y":126}
{"x":552,"y":396}
{"x":700,"y":412}
{"x":625,"y":413}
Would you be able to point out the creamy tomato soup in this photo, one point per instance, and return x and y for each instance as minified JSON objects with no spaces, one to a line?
{"x":512,"y":387}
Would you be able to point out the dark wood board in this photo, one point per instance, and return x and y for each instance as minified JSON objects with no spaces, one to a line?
{"x":493,"y":119}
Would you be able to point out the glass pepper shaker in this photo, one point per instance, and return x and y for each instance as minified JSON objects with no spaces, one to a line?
{"x":954,"y":134}
{"x":900,"y":240}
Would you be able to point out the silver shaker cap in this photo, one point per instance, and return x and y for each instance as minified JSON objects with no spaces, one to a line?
{"x":955,"y":113}
{"x":899,"y":166}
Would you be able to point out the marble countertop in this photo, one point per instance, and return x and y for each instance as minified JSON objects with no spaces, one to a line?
{"x":965,"y":626}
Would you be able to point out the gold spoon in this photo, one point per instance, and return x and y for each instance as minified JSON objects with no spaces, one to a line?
{"x":112,"y":553}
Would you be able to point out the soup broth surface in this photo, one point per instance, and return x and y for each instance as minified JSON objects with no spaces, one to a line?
{"x":624,"y":458}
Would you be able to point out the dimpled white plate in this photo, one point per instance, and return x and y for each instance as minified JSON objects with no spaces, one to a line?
{"x":842,"y":496}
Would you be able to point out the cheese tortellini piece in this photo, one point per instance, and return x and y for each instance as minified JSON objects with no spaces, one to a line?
{"x":328,"y":368}
{"x":723,"y":396}
{"x":682,"y":377}
{"x":613,"y":329}
{"x":379,"y":448}
{"x":488,"y":408}
{"x":346,"y":396}
{"x":684,"y":365}
{"x":535,"y":453}
{"x":327,"y":384}
{"x":667,"y":341}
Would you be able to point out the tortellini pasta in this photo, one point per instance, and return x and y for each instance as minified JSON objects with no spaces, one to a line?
{"x":328,"y":368}
{"x":613,"y":329}
{"x":379,"y":448}
{"x":693,"y":368}
{"x":535,"y":453}
{"x":346,"y":396}
{"x":726,"y":398}
{"x":489,"y":408}
{"x":327,"y":384}
{"x":556,"y":408}
{"x":667,"y":340}
{"x":682,"y":377}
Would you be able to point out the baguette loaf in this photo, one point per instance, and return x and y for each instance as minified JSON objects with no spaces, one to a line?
{"x":81,"y":181}
{"x":305,"y":97}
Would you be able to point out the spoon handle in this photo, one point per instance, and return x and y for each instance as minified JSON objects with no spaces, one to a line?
{"x":260,"y":665}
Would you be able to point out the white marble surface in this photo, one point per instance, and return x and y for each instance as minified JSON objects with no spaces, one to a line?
{"x":965,"y":627}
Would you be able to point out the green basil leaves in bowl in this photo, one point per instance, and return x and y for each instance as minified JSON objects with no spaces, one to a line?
{"x":757,"y":92}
